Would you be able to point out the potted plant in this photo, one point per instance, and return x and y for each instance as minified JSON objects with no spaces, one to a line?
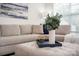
{"x":52,"y":23}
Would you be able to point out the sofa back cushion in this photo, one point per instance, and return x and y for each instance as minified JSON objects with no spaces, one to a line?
{"x":63,"y":29}
{"x":37,"y":29}
{"x":26,"y":29}
{"x":10,"y":30}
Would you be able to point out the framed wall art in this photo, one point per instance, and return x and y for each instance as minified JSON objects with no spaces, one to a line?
{"x":14,"y":10}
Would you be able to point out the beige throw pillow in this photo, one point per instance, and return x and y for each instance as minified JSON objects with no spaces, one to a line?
{"x":26,"y":29}
{"x":37,"y":29}
{"x":63,"y":29}
{"x":10,"y":30}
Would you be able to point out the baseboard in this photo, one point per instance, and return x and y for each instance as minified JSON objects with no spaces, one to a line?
{"x":9,"y":54}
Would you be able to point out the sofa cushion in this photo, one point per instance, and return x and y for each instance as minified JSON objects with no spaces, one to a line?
{"x":10,"y":30}
{"x":26,"y":29}
{"x":12,"y":40}
{"x":6,"y":50}
{"x":59,"y":38}
{"x":63,"y":29}
{"x":37,"y":29}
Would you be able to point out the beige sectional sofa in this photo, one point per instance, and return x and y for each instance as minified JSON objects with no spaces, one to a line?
{"x":11,"y":35}
{"x":14,"y":34}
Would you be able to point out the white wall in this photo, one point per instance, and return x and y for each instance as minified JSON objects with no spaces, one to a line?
{"x":7,"y":20}
{"x":33,"y":15}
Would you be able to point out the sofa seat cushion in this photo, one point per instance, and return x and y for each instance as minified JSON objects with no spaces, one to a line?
{"x":26,"y":29}
{"x":9,"y":40}
{"x":60,"y":38}
{"x":8,"y":30}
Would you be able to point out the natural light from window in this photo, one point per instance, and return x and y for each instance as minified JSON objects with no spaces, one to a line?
{"x":70,"y":13}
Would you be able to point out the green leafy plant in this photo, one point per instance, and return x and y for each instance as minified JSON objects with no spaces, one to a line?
{"x":52,"y":22}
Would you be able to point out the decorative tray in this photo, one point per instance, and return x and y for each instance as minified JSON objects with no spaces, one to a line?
{"x":45,"y":43}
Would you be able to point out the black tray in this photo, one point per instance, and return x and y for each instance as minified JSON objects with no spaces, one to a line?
{"x":45,"y":43}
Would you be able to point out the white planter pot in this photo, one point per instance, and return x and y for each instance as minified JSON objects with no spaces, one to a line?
{"x":52,"y":37}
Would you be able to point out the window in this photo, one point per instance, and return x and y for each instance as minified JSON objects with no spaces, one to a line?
{"x":70,"y":13}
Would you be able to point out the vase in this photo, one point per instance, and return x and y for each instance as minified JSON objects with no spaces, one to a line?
{"x":52,"y":37}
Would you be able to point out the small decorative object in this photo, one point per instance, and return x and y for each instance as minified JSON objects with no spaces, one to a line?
{"x":52,"y":23}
